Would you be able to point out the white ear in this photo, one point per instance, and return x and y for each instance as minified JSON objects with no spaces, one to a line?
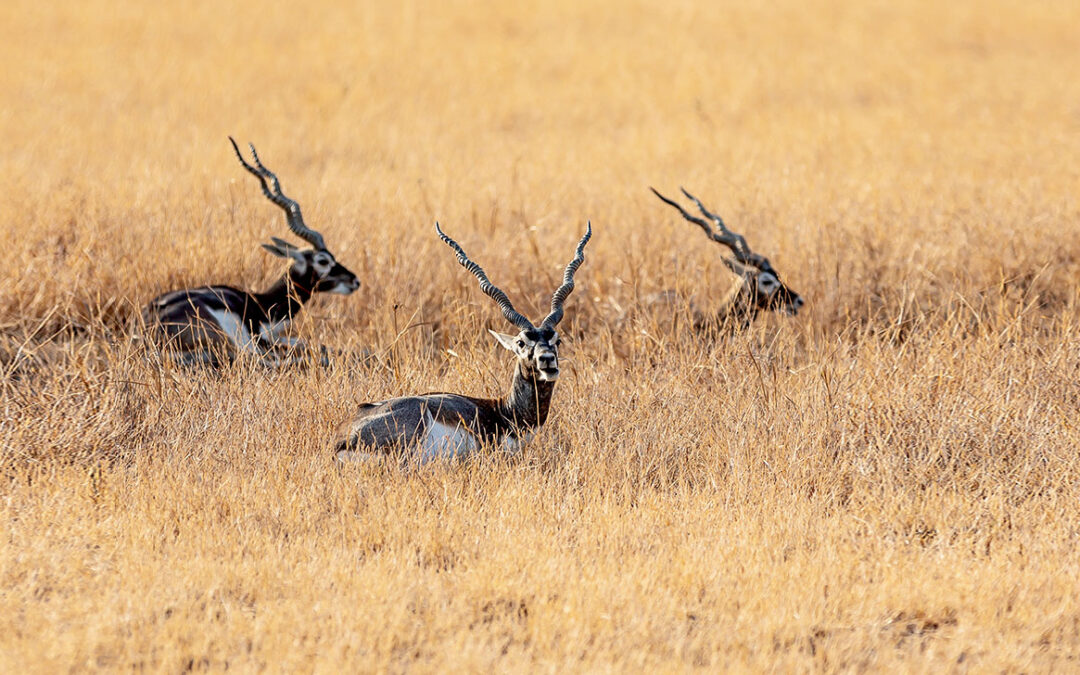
{"x":508,"y":341}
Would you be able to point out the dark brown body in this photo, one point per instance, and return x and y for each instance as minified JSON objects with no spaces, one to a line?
{"x":443,"y":425}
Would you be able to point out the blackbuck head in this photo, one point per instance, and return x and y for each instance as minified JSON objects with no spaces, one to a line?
{"x":536,"y":347}
{"x":313,"y":269}
{"x":761,"y":289}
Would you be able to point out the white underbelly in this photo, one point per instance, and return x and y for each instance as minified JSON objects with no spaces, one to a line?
{"x":443,"y":441}
{"x":233,"y":328}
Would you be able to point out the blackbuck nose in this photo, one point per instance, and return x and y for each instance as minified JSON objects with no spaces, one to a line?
{"x":546,"y":360}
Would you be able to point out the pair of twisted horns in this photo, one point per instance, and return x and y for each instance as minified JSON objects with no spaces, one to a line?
{"x":292,"y":210}
{"x":733,"y":241}
{"x":496,"y":294}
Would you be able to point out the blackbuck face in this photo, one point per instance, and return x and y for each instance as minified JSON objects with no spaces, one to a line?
{"x":537,"y":350}
{"x":315,"y":269}
{"x":765,"y":291}
{"x":434,"y":426}
{"x":761,"y":289}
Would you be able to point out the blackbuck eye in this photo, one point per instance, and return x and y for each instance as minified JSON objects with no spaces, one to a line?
{"x":520,"y":344}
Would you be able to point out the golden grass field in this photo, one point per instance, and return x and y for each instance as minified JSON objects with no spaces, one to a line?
{"x":889,"y":481}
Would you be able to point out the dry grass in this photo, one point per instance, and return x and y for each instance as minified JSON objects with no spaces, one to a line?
{"x":889,"y":481}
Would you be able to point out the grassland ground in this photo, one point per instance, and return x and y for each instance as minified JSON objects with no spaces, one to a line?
{"x":889,"y":481}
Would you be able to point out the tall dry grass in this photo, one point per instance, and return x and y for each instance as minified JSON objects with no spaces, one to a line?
{"x":889,"y":481}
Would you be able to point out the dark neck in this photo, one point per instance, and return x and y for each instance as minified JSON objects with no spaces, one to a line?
{"x":526,"y":406}
{"x":284,"y":299}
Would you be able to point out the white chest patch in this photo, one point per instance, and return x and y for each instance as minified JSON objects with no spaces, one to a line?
{"x":443,"y":441}
{"x":233,"y":328}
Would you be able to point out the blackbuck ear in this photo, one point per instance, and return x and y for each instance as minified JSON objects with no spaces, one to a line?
{"x":737,"y":267}
{"x":286,"y":251}
{"x":283,"y":245}
{"x":276,"y":250}
{"x":508,"y":341}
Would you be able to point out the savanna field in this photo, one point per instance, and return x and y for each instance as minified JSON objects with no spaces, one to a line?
{"x":888,"y":481}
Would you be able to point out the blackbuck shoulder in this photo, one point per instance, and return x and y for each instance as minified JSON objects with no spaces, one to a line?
{"x":756,"y":286}
{"x":444,"y":425}
{"x":214,"y":324}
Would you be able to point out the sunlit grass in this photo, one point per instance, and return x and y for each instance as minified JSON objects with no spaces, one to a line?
{"x":888,"y":481}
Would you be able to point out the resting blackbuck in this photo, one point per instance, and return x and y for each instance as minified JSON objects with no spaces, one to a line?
{"x":213,"y":324}
{"x":759,"y":287}
{"x":443,"y":425}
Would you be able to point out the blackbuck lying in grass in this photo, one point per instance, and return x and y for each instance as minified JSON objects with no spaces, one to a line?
{"x":211,"y":325}
{"x":758,"y":288}
{"x":442,"y":425}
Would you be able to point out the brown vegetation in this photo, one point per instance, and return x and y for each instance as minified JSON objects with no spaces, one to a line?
{"x":890,"y":480}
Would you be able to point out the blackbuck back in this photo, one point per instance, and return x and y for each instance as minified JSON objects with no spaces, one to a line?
{"x":442,"y":425}
{"x":759,"y":287}
{"x":213,"y":324}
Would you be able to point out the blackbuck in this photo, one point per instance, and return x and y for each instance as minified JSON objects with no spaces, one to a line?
{"x":211,"y":325}
{"x":441,"y":425}
{"x":758,"y":288}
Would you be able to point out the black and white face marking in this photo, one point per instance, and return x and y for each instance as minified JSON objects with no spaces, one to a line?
{"x":537,"y":350}
{"x":323,"y":261}
{"x":316,"y":269}
{"x":771,"y":294}
{"x":332,"y":276}
{"x":767,"y":283}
